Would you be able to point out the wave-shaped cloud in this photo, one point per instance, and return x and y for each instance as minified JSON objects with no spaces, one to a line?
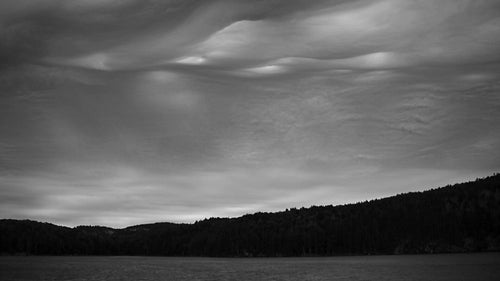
{"x":199,"y":108}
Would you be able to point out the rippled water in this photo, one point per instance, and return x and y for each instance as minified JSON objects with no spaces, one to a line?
{"x":455,"y":267}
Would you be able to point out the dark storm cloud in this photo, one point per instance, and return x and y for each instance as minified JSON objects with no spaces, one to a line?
{"x":123,"y":111}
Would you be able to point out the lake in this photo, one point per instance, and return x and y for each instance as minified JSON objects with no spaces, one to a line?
{"x":475,"y":267}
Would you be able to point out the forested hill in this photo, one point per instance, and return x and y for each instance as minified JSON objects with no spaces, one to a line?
{"x":460,"y":218}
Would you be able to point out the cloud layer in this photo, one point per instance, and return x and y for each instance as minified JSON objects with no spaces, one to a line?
{"x":119,"y":112}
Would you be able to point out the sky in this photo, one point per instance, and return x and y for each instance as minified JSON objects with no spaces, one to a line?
{"x":122,"y":112}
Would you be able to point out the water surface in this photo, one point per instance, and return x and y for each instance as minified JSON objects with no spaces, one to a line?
{"x":474,"y":267}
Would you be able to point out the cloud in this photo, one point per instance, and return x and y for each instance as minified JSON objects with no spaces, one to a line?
{"x":137,"y":111}
{"x":423,"y":32}
{"x":120,"y":197}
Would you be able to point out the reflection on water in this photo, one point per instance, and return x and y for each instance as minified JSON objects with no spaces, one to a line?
{"x":454,"y":267}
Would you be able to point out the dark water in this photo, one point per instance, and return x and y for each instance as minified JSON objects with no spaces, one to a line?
{"x":473,"y":267}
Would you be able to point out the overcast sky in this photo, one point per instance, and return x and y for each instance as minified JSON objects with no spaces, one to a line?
{"x":120,"y":112}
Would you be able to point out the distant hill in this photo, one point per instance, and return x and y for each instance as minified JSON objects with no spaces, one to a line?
{"x":457,"y":218}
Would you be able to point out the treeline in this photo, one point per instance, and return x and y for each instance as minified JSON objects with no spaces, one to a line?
{"x":460,"y":218}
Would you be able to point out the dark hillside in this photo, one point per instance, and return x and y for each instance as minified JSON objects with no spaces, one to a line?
{"x":459,"y":218}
